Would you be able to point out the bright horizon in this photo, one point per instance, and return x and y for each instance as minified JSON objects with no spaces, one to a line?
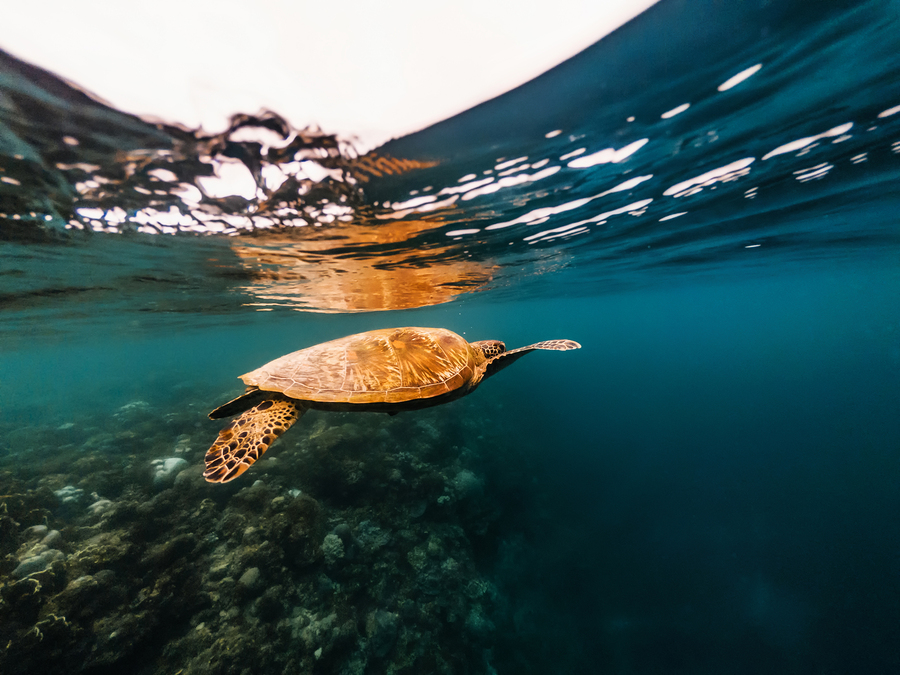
{"x":359,"y":70}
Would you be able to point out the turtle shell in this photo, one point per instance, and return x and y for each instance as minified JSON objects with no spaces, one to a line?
{"x":391,"y":365}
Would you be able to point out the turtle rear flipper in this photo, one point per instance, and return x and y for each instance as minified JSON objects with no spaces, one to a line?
{"x":245,"y":439}
{"x":501,"y":361}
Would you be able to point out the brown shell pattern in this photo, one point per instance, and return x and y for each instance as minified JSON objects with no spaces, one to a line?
{"x":381,"y":366}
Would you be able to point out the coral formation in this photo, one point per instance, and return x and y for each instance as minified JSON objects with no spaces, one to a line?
{"x":354,"y":550}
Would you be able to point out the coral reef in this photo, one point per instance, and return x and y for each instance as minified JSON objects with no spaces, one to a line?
{"x":352,"y":548}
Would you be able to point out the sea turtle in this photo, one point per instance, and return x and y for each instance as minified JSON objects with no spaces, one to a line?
{"x":387,"y":370}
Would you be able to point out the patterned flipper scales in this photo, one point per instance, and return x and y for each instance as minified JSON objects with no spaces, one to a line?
{"x":501,"y":361}
{"x":552,"y":345}
{"x":245,"y":439}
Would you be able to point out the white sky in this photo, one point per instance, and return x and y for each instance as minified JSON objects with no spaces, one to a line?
{"x":372,"y":69}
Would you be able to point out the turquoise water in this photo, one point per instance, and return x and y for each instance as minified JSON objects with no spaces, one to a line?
{"x":710,"y":485}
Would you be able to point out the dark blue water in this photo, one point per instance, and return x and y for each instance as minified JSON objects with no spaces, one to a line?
{"x":710,"y":485}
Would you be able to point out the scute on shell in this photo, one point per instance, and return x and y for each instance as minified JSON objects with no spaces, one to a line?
{"x":381,"y":366}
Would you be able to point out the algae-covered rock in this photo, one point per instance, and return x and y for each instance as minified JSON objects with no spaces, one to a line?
{"x":381,"y":630}
{"x":38,"y":562}
{"x":333,"y":548}
{"x":99,"y":507}
{"x":52,"y":538}
{"x":35,"y":532}
{"x":251,"y":580}
{"x":467,"y":484}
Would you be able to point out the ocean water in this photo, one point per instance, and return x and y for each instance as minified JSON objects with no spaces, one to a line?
{"x":708,"y":200}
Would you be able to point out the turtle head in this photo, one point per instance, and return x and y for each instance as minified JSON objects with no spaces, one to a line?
{"x":487,"y":349}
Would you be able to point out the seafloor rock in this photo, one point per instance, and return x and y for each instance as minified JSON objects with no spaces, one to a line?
{"x":69,"y":495}
{"x":183,"y":445}
{"x":134,"y":409}
{"x":103,"y":550}
{"x":35,"y":531}
{"x":251,"y":580}
{"x":165,"y":470}
{"x":467,"y":484}
{"x":99,"y":506}
{"x":38,"y":562}
{"x":51,"y":539}
{"x":86,"y":597}
{"x":381,"y":629}
{"x":333,"y":548}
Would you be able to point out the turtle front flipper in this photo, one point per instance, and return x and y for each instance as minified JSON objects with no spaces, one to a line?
{"x":240,"y":404}
{"x":501,"y":361}
{"x":245,"y":439}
